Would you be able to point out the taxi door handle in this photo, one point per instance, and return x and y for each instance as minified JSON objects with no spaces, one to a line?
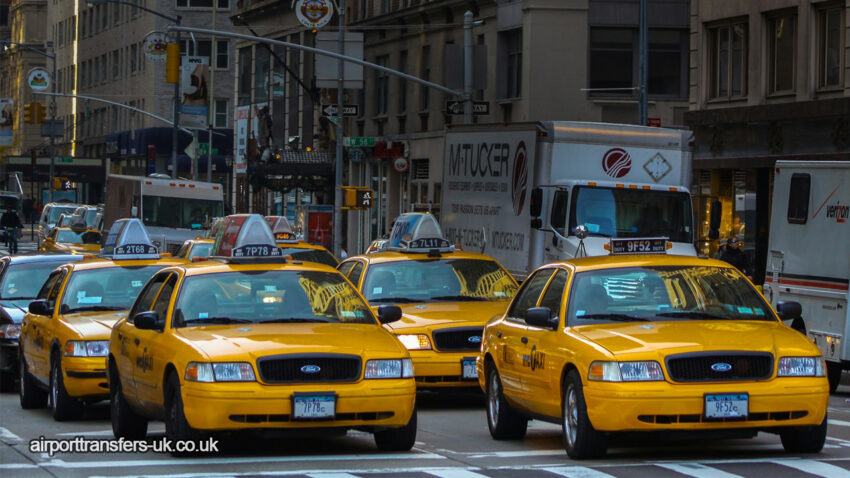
{"x":499,"y":335}
{"x":136,"y":341}
{"x":524,"y":340}
{"x":120,"y":336}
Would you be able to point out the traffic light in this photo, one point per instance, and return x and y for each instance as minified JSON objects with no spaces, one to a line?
{"x":41,"y":113}
{"x":356,"y":197}
{"x":29,"y":113}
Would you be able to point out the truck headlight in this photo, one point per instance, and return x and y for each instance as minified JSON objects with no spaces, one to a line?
{"x":10,"y":331}
{"x":394,"y":368}
{"x":87,"y":348}
{"x":415,"y":341}
{"x":646,"y":371}
{"x":801,"y":367}
{"x":220,"y":372}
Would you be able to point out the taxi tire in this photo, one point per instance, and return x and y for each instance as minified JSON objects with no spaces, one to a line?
{"x":804,"y":439}
{"x":31,"y":396}
{"x":589,"y":443}
{"x":398,"y":439}
{"x":509,"y":425}
{"x":126,"y":423}
{"x":63,"y":406}
{"x":176,"y":426}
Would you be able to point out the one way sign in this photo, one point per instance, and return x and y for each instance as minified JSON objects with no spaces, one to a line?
{"x":455,"y":107}
{"x":347,"y":110}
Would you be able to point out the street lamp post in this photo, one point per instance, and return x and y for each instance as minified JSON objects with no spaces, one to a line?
{"x":176,"y":127}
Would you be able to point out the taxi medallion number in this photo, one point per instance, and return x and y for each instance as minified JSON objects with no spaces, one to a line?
{"x":313,"y":407}
{"x":638,"y":246}
{"x":469,"y":370}
{"x":731,"y":405}
{"x":135,"y":249}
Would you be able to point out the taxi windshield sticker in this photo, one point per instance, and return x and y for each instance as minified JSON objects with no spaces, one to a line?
{"x":136,"y":283}
{"x":89,"y":300}
{"x":758,"y":311}
{"x":745,"y":310}
{"x":270,"y":288}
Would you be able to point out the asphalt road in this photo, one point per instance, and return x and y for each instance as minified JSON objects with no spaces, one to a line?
{"x":453,"y":442}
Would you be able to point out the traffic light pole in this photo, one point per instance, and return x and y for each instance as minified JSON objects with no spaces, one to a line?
{"x":52,"y":127}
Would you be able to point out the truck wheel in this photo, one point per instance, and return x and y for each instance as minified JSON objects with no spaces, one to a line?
{"x":503,"y":421}
{"x":126,"y":423}
{"x":31,"y":395}
{"x":833,"y":374}
{"x":398,"y":439}
{"x":64,"y":406}
{"x":581,"y":440}
{"x":804,"y":439}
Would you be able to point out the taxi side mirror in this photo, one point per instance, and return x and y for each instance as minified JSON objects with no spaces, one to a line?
{"x":389,"y":313}
{"x":148,"y":320}
{"x":789,"y":310}
{"x":40,"y":307}
{"x":541,"y":317}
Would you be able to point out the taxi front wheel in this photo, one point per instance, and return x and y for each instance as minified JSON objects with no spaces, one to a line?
{"x":64,"y":406}
{"x":398,"y":439}
{"x":176,"y":426}
{"x":126,"y":423}
{"x":31,"y":396}
{"x":581,"y":440}
{"x":804,"y":439}
{"x":504,"y":422}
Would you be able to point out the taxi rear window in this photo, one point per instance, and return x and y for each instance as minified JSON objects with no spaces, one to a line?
{"x":311,"y":255}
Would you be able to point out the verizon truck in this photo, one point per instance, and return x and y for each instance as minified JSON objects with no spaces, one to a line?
{"x":172,"y":210}
{"x":809,"y":253}
{"x":519,"y":191}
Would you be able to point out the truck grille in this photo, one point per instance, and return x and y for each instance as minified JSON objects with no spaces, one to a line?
{"x":459,"y":339}
{"x":697,"y":367}
{"x":309,"y":368}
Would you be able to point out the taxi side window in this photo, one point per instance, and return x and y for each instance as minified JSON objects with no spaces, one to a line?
{"x":164,"y":297}
{"x":554,"y":293}
{"x":345,"y":267}
{"x":48,"y":286}
{"x":145,"y":301}
{"x":184,"y":251}
{"x":54,"y":291}
{"x":356,"y":272}
{"x":528,"y":294}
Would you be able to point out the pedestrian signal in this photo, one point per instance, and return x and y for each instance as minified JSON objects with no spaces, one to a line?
{"x":355,"y":197}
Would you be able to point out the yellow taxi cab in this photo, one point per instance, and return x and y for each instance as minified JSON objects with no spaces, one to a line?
{"x":650,"y":343}
{"x":197,"y":247}
{"x":292,"y":246}
{"x":253,"y":340}
{"x":376,"y":246}
{"x":446,"y":296}
{"x":67,"y":240}
{"x":64,"y":337}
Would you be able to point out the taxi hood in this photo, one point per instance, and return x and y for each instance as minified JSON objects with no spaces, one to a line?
{"x":674,"y":337}
{"x":447,"y":313}
{"x":237,"y":342}
{"x":94,"y":325}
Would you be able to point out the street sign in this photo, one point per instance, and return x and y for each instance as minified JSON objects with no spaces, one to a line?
{"x":455,"y":107}
{"x":356,"y":155}
{"x":204,"y":149}
{"x":64,"y":159}
{"x":347,"y":110}
{"x":364,"y":141}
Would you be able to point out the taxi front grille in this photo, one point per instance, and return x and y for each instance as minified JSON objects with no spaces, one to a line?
{"x":309,"y":368}
{"x":719,"y":367}
{"x":697,"y":418}
{"x":365,"y":416}
{"x":459,"y":339}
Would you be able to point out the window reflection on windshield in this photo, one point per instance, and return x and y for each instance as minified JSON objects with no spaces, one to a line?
{"x":25,"y":280}
{"x":443,"y":279}
{"x":111,"y":288}
{"x":271,"y":297}
{"x":664,"y":293}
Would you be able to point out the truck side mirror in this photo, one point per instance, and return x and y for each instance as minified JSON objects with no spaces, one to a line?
{"x":714,"y":220}
{"x":789,"y":310}
{"x":536,"y":203}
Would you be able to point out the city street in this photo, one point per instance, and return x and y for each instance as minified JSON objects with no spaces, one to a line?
{"x":452,"y":442}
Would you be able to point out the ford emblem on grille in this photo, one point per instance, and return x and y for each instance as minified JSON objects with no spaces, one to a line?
{"x":311,"y":369}
{"x":721,"y":367}
{"x":475,"y":339}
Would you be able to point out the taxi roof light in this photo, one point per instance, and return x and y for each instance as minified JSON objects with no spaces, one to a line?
{"x":419,"y":233}
{"x":247,"y":239}
{"x":129,"y":240}
{"x":282,"y":230}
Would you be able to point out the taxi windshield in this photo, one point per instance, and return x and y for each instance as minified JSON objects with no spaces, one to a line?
{"x":110,"y":288}
{"x":200,"y":249}
{"x":23,"y":281}
{"x":311,"y":255}
{"x":438,"y":280}
{"x":73,"y":237}
{"x":664,"y":293}
{"x":274,"y":296}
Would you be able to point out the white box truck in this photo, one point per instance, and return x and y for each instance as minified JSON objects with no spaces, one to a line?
{"x":809,"y":253}
{"x":518,"y":191}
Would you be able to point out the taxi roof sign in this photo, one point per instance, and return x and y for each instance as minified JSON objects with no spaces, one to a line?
{"x":282,"y":229}
{"x":645,"y":245}
{"x":128,"y":240}
{"x":418,"y":232}
{"x":246,"y":235}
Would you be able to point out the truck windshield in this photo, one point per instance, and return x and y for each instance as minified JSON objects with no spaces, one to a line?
{"x":56,"y":211}
{"x":175,"y":212}
{"x":618,"y":212}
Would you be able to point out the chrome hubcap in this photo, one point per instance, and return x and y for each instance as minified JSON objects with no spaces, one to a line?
{"x":493,"y":399}
{"x":54,"y":392}
{"x":570,"y":415}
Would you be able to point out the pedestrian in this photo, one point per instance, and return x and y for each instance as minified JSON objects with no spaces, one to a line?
{"x":11,"y":223}
{"x":27,"y":208}
{"x":721,"y":248}
{"x":733,"y":255}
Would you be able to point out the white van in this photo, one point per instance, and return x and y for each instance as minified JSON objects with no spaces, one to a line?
{"x":809,"y":253}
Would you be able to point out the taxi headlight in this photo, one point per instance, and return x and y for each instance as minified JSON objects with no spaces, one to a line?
{"x":801,"y":367}
{"x":87,"y":348}
{"x":415,"y":341}
{"x":220,"y":372}
{"x":395,"y":368}
{"x":625,"y":371}
{"x":10,"y":331}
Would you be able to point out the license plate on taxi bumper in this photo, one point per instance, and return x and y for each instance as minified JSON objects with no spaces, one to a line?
{"x":469,"y":371}
{"x":320,"y":406}
{"x":727,"y":405}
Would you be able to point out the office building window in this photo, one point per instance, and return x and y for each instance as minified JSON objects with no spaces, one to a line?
{"x":510,"y":64}
{"x":199,"y":48}
{"x":728,"y":61}
{"x":244,"y":95}
{"x":83,"y":18}
{"x":116,"y":64}
{"x":262,"y":59}
{"x":133,"y":56}
{"x":381,"y":86}
{"x":103,"y":68}
{"x":116,"y":13}
{"x":104,"y":17}
{"x":425,"y":74}
{"x":4,"y":15}
{"x":222,"y":54}
{"x":830,"y":46}
{"x":781,"y":53}
{"x":402,"y":83}
{"x":220,"y":118}
{"x":220,"y":4}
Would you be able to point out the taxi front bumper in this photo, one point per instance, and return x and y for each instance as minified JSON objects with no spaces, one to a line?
{"x":652,"y":406}
{"x":380,"y":403}
{"x":85,"y":377}
{"x":442,"y":369}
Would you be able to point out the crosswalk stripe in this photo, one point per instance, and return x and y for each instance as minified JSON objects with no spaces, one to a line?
{"x":696,"y":470}
{"x":451,"y":473}
{"x":331,"y":475}
{"x":815,"y":467}
{"x":840,"y":423}
{"x":577,"y":472}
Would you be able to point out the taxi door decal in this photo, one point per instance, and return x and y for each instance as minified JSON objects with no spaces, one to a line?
{"x":536,"y":360}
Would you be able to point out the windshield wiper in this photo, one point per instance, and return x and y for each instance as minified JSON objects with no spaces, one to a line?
{"x":460,"y":298}
{"x":17,"y":298}
{"x":614,"y":317}
{"x":294,"y":320}
{"x":94,"y":308}
{"x":404,"y":300}
{"x":692,"y":315}
{"x":217,"y":320}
